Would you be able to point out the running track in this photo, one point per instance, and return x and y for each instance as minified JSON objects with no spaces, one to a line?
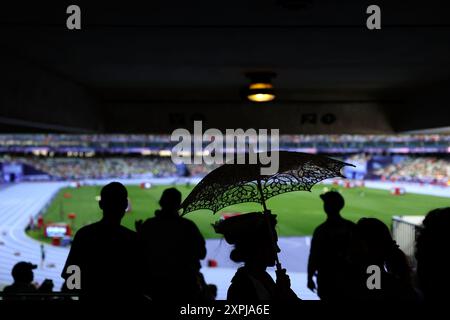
{"x":17,"y":203}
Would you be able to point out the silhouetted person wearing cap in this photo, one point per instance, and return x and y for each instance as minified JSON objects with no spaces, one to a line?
{"x":172,"y":247}
{"x":250,"y":235}
{"x":23,"y":287}
{"x":432,"y":248}
{"x":329,"y":248}
{"x":106,"y":252}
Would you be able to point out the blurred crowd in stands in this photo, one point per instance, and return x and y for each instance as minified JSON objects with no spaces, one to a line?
{"x":412,"y":157}
{"x":299,"y":141}
{"x":422,"y":169}
{"x":73,"y":168}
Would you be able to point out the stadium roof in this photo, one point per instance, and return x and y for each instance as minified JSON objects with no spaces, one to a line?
{"x":155,"y":68}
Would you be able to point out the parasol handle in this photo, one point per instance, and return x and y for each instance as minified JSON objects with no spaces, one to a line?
{"x":272,"y":235}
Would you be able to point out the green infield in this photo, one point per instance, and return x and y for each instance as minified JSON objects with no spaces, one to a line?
{"x":298,"y":212}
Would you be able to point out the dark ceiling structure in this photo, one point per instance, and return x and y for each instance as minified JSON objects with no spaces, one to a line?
{"x":153,"y":68}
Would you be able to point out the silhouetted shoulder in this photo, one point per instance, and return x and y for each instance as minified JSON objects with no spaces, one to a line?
{"x":340,"y":223}
{"x":88,"y":229}
{"x":188,"y":223}
{"x":149,"y":222}
{"x":154,"y":222}
{"x":84,"y":230}
{"x":241,"y":288}
{"x":349,"y":223}
{"x":320,"y":229}
{"x":101,"y":227}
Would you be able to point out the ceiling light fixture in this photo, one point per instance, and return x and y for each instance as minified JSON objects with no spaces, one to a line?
{"x":260,"y":88}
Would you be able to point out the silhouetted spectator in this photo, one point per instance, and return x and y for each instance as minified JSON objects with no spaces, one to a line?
{"x":372,"y":245}
{"x":432,"y":250}
{"x":106,"y":252}
{"x":23,"y":287}
{"x":329,"y":247}
{"x":172,"y":247}
{"x":250,"y":235}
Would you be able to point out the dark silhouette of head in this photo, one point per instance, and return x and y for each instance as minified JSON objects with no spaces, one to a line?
{"x":113,"y":201}
{"x":22,"y":272}
{"x":432,"y":247}
{"x":170,"y":201}
{"x":376,"y":239}
{"x":250,"y":235}
{"x":378,"y":248}
{"x":333,"y":203}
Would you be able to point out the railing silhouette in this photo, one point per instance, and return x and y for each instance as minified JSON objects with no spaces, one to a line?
{"x":405,"y":233}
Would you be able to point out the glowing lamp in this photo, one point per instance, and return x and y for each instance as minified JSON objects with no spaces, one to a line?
{"x":260,"y":88}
